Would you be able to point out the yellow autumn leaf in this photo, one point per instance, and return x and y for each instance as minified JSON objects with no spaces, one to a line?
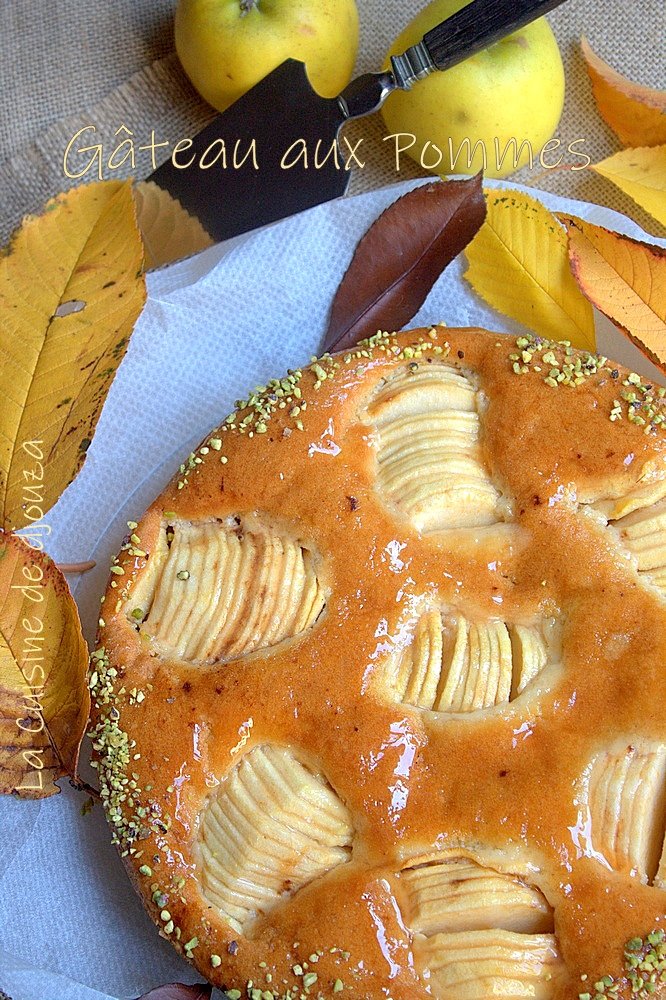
{"x":625,"y":280}
{"x":518,"y":263}
{"x":640,"y":173}
{"x":44,"y":698}
{"x":169,"y":232}
{"x":636,"y":114}
{"x":71,"y":290}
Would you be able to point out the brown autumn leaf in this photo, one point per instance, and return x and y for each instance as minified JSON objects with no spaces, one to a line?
{"x":177,"y":991}
{"x":71,"y":290}
{"x":44,"y":698}
{"x":401,"y":256}
{"x":636,"y":114}
{"x":168,"y":231}
{"x":625,"y":279}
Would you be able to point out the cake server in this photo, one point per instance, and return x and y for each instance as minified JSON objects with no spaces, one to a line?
{"x":278,"y":149}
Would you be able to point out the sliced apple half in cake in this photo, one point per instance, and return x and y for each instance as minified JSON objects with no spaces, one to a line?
{"x":216,"y":590}
{"x":479,"y":933}
{"x":273,"y":825}
{"x":626,"y":797}
{"x":456,"y":665}
{"x":429,"y":461}
{"x":639,"y":521}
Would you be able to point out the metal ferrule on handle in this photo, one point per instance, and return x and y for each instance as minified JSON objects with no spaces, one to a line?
{"x":412,"y":65}
{"x":474,"y":27}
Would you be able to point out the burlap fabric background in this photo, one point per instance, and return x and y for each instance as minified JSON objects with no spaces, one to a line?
{"x":66,"y":64}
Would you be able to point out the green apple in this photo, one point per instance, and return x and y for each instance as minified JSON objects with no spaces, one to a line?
{"x":226,"y":46}
{"x":512,"y":91}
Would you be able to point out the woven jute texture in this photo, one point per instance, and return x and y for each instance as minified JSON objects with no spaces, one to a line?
{"x":69,"y":64}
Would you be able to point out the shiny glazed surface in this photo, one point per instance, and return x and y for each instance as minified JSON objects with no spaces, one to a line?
{"x":504,"y":786}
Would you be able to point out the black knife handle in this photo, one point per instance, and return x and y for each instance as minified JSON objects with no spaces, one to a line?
{"x":478,"y":25}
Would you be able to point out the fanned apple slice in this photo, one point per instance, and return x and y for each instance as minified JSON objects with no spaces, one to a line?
{"x":220,"y":589}
{"x":649,"y":490}
{"x":459,"y":895}
{"x":429,"y":462}
{"x":627,"y":802}
{"x":453,"y":665}
{"x":479,"y":965}
{"x":529,"y":650}
{"x":418,"y":667}
{"x":272,"y":826}
{"x":480,"y":668}
{"x":643,"y":532}
{"x":660,"y":878}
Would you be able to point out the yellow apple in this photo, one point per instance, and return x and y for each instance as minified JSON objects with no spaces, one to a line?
{"x":226,"y":46}
{"x":513,"y":90}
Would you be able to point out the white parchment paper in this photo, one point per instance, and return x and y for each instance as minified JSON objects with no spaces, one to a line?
{"x":71,"y":927}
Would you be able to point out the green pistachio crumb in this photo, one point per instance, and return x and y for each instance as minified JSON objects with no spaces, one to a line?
{"x":215,"y":961}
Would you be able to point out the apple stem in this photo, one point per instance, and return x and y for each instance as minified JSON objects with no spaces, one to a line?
{"x":248,"y":5}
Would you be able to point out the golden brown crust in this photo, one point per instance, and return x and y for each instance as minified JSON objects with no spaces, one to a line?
{"x":504,"y":785}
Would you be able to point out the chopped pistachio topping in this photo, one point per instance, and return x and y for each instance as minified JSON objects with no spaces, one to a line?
{"x":645,"y":404}
{"x":644,"y":970}
{"x":114,"y":750}
{"x":559,"y":361}
{"x":642,"y":402}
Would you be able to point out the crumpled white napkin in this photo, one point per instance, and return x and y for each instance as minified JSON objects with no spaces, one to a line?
{"x":71,"y":927}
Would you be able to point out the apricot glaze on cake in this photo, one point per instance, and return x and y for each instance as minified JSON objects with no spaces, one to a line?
{"x":380,"y":692}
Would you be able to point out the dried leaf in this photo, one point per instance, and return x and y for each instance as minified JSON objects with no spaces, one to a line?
{"x":635,"y":113}
{"x":177,"y":991}
{"x":168,"y":231}
{"x":401,"y":256}
{"x":640,"y":173}
{"x":625,"y":280}
{"x":518,"y":263}
{"x":71,"y":289}
{"x":44,"y":699}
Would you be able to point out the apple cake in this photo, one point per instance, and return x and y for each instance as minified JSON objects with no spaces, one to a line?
{"x":380,"y":690}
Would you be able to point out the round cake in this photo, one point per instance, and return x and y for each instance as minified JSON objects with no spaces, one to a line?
{"x":380,"y":692}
